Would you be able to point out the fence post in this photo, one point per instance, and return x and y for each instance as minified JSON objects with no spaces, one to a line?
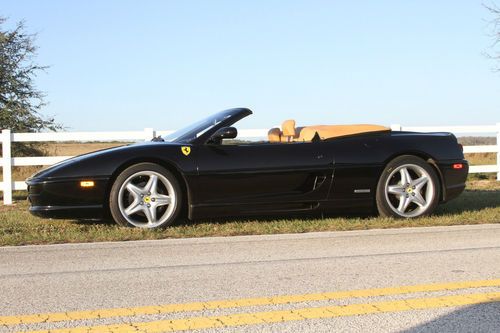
{"x":396,"y":127}
{"x":7,"y":167}
{"x":149,"y":133}
{"x":498,"y":151}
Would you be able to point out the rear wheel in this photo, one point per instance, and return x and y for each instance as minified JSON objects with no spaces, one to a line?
{"x":145,"y":195}
{"x":408,"y":187}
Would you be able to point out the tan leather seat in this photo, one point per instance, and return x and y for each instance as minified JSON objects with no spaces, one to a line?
{"x":332,"y":131}
{"x":289,"y":133}
{"x":274,"y":135}
{"x":306,"y":134}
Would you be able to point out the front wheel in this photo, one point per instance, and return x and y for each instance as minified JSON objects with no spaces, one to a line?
{"x":408,"y":187}
{"x":145,"y":195}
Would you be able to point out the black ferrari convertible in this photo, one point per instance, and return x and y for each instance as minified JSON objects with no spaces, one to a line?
{"x":204,"y":171}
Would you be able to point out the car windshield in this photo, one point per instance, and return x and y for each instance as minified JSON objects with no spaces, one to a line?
{"x":198,"y":128}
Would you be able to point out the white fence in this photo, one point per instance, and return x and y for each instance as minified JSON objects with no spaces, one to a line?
{"x":7,"y":161}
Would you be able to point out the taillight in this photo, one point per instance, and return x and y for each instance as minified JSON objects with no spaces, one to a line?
{"x":458,"y":166}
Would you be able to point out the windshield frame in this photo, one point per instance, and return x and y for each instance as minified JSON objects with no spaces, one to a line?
{"x":201,"y":131}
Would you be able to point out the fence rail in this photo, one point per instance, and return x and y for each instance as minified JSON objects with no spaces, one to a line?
{"x":7,"y":162}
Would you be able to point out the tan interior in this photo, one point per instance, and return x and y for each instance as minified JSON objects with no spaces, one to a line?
{"x":274,"y":135}
{"x":332,"y":131}
{"x":289,"y":133}
{"x":304,"y":134}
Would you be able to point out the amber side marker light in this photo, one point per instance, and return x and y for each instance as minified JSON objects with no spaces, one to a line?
{"x":458,"y":166}
{"x":87,"y":183}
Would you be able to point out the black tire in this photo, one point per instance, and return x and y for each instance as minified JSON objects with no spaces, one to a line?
{"x":134,"y":173}
{"x":391,"y":192}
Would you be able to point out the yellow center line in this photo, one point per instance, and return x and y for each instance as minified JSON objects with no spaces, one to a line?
{"x":237,"y":303}
{"x":287,"y":315}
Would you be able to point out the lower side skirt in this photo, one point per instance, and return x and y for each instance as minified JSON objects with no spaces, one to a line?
{"x":279,"y":209}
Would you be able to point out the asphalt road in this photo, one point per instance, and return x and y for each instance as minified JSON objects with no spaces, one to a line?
{"x":172,"y":284}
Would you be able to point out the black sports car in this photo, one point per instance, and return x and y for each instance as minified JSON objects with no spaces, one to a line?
{"x":203,"y":172}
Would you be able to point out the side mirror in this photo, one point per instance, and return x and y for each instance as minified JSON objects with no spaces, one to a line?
{"x":224,"y":133}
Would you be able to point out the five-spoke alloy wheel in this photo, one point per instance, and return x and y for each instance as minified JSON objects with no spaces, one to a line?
{"x":145,"y":195}
{"x":408,"y":187}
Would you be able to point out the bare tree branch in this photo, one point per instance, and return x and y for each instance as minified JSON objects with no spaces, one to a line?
{"x":495,"y":33}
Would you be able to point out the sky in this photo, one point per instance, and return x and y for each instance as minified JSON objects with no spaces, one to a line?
{"x":127,"y":65}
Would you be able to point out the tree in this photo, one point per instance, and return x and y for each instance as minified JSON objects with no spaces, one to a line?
{"x":20,"y":100}
{"x":495,"y":24}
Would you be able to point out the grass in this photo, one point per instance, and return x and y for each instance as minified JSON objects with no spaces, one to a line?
{"x":481,"y":158}
{"x":480,"y":203}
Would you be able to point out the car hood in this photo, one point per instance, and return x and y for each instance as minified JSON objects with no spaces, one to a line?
{"x":99,"y":163}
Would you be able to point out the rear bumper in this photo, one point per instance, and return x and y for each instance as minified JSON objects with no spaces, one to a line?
{"x":453,"y":179}
{"x":66,"y":199}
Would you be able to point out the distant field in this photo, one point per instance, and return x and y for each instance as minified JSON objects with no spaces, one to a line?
{"x":63,"y":149}
{"x":477,"y":140}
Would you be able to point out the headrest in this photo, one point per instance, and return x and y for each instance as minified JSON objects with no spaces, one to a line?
{"x":307,"y":134}
{"x":288,"y":127}
{"x":274,"y":135}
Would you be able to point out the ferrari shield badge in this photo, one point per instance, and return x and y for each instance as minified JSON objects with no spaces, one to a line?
{"x":186,"y":150}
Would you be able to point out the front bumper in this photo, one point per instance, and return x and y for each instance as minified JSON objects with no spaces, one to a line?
{"x":65,"y":198}
{"x":68,"y":212}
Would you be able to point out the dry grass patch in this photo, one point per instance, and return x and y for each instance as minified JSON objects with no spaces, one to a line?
{"x":481,"y":158}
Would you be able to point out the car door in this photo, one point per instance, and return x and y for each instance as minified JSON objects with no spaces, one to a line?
{"x":262,"y":176}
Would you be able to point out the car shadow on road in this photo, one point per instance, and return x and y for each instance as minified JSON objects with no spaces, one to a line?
{"x":482,"y":317}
